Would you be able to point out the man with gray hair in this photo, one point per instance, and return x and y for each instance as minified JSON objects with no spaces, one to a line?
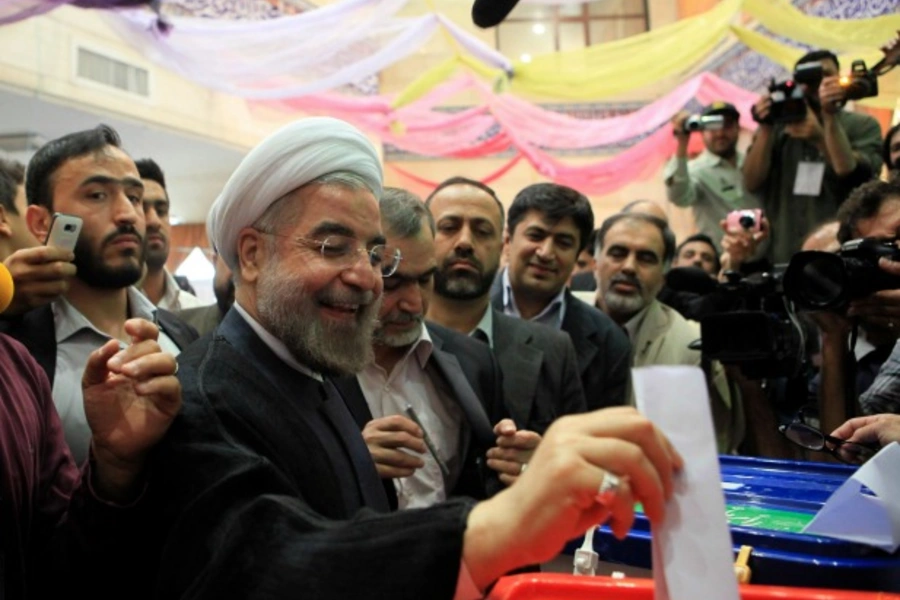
{"x":266,"y":488}
{"x":427,"y":402}
{"x":633,"y":252}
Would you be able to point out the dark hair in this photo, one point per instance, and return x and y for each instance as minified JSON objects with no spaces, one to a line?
{"x":555,"y":202}
{"x":701,"y":237}
{"x":402,"y":213}
{"x":50,"y":157}
{"x":12,"y":175}
{"x":886,"y":149}
{"x":816,"y":56}
{"x":667,"y":236}
{"x":458,"y":180}
{"x":148,"y":169}
{"x":864,"y":203}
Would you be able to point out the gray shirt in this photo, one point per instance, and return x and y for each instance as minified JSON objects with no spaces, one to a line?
{"x":711,"y":186}
{"x":76,"y":338}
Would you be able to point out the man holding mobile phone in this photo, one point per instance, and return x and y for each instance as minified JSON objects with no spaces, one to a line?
{"x":711,"y":184}
{"x":87,"y":175}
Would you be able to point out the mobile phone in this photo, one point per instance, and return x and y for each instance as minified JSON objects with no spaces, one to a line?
{"x":746,"y":220}
{"x":64,"y":231}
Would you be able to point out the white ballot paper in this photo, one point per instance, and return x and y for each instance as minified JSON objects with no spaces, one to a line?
{"x":692,"y":552}
{"x":867,"y":516}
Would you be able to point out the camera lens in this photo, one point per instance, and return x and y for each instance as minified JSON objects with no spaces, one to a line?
{"x":69,"y":228}
{"x":816,"y":280}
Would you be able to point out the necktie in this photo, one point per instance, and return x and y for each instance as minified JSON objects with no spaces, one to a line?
{"x":370,"y":486}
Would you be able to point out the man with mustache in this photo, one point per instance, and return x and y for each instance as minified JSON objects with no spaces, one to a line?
{"x":539,"y":366}
{"x":266,"y":487}
{"x":87,"y":174}
{"x":548,"y":225}
{"x":158,"y":284}
{"x":803,"y":171}
{"x":633,"y":251}
{"x":427,"y":403}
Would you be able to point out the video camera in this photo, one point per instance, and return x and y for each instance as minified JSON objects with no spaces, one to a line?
{"x":757,"y":330}
{"x":829,"y":281}
{"x":703,"y":123}
{"x":788,"y":99}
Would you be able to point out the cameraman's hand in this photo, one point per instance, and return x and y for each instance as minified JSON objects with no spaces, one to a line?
{"x":834,"y":327}
{"x":678,"y":129}
{"x":740,"y":245}
{"x":40,"y":275}
{"x":831,"y":95}
{"x":761,"y":110}
{"x":808,"y":129}
{"x":881,"y":308}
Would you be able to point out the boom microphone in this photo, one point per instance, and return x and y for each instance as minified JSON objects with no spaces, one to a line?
{"x":490,"y":13}
{"x":6,"y":288}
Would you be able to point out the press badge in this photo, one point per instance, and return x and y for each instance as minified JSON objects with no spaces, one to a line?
{"x":809,"y":178}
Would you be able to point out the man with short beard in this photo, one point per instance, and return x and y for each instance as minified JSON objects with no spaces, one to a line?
{"x":87,"y":174}
{"x":427,"y":403}
{"x":633,"y":251}
{"x":158,"y":284}
{"x":539,"y":366}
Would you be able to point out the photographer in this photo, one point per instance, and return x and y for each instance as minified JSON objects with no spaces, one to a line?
{"x":803,"y":169}
{"x":711,"y":184}
{"x":871,"y":211}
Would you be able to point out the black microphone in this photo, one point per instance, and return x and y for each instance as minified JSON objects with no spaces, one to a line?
{"x":490,"y":13}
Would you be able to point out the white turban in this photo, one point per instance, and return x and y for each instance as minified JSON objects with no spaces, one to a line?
{"x":286,"y":160}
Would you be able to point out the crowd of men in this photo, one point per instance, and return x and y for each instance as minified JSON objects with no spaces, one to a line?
{"x":396,"y":396}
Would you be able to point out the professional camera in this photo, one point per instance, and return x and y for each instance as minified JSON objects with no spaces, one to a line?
{"x":828,"y":281}
{"x":703,"y":123}
{"x":788,"y":99}
{"x":757,"y":331}
{"x":860,"y":83}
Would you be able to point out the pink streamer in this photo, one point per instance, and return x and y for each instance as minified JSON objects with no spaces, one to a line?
{"x":504,"y":121}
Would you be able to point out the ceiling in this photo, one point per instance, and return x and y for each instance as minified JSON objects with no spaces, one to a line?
{"x":196,"y":169}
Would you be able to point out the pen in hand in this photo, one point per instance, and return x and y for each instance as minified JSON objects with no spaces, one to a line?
{"x":428,"y":443}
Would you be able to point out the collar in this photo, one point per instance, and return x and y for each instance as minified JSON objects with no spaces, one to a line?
{"x":486,"y":326}
{"x":634,"y":323}
{"x":69,"y":320}
{"x":276,"y":345}
{"x":171,"y":289}
{"x":558,"y":303}
{"x":707,"y":157}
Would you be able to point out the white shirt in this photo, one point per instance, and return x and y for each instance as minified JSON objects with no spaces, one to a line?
{"x":174,"y":298}
{"x":76,"y":338}
{"x":552,"y":315}
{"x":408,"y":385}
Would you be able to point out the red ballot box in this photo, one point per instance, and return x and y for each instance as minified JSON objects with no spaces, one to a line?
{"x":559,"y":586}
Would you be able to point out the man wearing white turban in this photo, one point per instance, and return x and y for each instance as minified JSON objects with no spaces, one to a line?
{"x":266,"y":487}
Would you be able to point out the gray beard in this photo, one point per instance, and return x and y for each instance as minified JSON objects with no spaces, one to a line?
{"x":333,"y":349}
{"x":399,"y":340}
{"x":622,"y":305}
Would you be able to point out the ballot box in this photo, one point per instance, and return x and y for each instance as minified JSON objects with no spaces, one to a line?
{"x":768,"y":503}
{"x":556,"y":586}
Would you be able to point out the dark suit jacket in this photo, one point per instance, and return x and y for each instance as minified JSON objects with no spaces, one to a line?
{"x":603,"y":350}
{"x":540,"y":372}
{"x":468,"y":371}
{"x":36,"y":331}
{"x":202,"y":318}
{"x":261,"y":491}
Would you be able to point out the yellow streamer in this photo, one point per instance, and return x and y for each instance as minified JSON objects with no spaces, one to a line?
{"x":609,"y":69}
{"x":837,"y":35}
{"x":427,"y":80}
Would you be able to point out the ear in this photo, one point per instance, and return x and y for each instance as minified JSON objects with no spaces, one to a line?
{"x":38,"y":219}
{"x":251,"y":254}
{"x":5,"y":226}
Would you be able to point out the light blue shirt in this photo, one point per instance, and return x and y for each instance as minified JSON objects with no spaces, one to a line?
{"x":552,"y":315}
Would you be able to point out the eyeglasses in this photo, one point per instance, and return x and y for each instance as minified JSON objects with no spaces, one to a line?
{"x":810,"y":438}
{"x":344,"y":251}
